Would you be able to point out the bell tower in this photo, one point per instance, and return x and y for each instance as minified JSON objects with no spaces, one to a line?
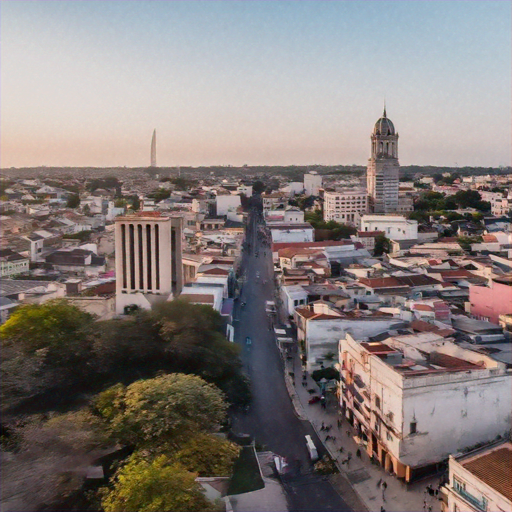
{"x":383,"y":167}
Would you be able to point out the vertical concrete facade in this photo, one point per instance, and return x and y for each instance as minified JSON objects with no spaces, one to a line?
{"x":148,"y":259}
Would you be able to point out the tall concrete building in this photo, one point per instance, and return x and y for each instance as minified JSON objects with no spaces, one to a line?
{"x":153,"y":149}
{"x":382,"y":173}
{"x":148,"y":259}
{"x":312,"y":183}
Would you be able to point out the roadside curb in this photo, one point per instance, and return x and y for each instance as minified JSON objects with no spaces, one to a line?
{"x":297,"y":406}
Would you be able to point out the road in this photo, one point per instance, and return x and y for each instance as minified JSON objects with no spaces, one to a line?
{"x":271,"y":418}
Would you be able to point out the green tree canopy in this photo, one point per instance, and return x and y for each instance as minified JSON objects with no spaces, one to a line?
{"x":382,"y":245}
{"x":54,"y":324}
{"x":208,"y":455}
{"x":154,"y":486}
{"x":169,"y":407}
{"x":73,"y":201}
{"x":258,"y":187}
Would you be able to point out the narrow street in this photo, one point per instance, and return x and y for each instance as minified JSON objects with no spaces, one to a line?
{"x":271,"y":418}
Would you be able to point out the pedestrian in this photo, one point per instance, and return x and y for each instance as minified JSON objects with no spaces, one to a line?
{"x":358,"y":453}
{"x":378,"y":483}
{"x":348,"y":433}
{"x":382,"y":509}
{"x":384,"y":485}
{"x":341,"y":449}
{"x":323,"y":426}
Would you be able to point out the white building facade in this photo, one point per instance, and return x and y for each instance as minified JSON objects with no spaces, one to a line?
{"x":345,"y":206}
{"x":226,"y":203}
{"x":416,"y":399}
{"x":312,"y":183}
{"x":394,"y":227}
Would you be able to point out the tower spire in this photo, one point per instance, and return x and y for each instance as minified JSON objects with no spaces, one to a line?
{"x":384,"y":114}
{"x":153,"y":149}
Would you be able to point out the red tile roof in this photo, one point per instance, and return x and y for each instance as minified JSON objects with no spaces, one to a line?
{"x":198,"y":298}
{"x":382,"y":282}
{"x":494,"y":469}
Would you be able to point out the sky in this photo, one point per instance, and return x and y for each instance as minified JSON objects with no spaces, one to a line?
{"x":85,"y":83}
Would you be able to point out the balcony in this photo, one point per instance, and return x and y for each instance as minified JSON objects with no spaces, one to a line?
{"x":478,"y":504}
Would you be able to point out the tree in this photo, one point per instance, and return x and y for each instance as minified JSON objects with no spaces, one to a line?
{"x":54,"y":325}
{"x":258,"y":187}
{"x":195,"y":344}
{"x":382,"y":245}
{"x":160,"y":194}
{"x":154,"y":486}
{"x":419,"y":215}
{"x":73,"y":201}
{"x":208,"y":455}
{"x":166,"y":408}
{"x":468,"y":198}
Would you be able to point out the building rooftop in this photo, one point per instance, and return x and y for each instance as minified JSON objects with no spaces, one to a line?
{"x":198,"y":298}
{"x":493,"y":466}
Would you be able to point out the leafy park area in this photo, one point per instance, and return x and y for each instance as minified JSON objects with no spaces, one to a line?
{"x":159,"y":384}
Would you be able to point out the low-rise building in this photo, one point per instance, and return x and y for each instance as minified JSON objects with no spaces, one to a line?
{"x":480,"y":480}
{"x":489,"y":302}
{"x":415,"y":399}
{"x":292,"y":233}
{"x":320,"y":326}
{"x":367,"y":238}
{"x":12,"y":263}
{"x":395,"y":227}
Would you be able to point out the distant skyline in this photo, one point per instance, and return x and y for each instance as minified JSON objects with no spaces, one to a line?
{"x":85,"y":83}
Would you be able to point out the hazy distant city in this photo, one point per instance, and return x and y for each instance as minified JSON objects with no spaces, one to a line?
{"x":256,"y":256}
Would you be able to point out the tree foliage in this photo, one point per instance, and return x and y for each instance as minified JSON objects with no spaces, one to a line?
{"x":56,"y":324}
{"x":258,"y":187}
{"x":165,"y":408}
{"x":154,"y":486}
{"x":55,"y":348}
{"x":208,"y":455}
{"x":382,"y":245}
{"x":73,"y":201}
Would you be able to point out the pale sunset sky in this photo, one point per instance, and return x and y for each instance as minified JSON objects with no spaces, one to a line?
{"x":84,"y":83}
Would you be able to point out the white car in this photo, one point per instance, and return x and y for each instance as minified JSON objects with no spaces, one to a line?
{"x":257,"y":275}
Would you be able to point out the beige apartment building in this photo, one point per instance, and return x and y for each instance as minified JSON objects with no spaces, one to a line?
{"x":148,"y":259}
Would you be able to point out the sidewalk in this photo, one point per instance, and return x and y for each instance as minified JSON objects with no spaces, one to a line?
{"x":365,"y":477}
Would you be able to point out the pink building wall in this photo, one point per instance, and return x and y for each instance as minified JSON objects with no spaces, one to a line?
{"x":491,"y":302}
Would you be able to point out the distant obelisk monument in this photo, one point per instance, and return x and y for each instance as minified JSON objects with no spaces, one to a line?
{"x":153,"y":149}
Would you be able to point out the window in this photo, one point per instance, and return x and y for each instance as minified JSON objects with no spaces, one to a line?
{"x":412,"y":427}
{"x":389,"y":437}
{"x":377,"y":401}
